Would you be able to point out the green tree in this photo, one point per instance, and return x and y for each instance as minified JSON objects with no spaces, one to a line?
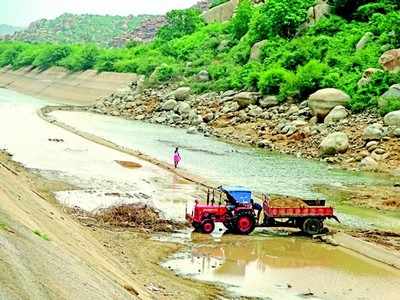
{"x":240,"y":22}
{"x":50,"y":56}
{"x":180,"y":23}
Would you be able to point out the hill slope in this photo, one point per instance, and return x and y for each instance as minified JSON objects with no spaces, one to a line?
{"x":75,"y":29}
{"x":8,"y":29}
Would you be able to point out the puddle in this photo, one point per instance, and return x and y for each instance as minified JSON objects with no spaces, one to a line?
{"x":285,"y":268}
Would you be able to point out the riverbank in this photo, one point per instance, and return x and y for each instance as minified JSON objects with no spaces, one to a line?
{"x":47,"y":254}
{"x":56,"y":83}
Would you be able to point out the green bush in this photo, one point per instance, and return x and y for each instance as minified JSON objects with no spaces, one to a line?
{"x":164,"y":73}
{"x":241,"y":21}
{"x":82,"y":59}
{"x":9,"y":55}
{"x":391,"y":104}
{"x":50,"y":56}
{"x":310,"y":78}
{"x":272,"y":80}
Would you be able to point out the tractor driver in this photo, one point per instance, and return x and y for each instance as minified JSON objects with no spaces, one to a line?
{"x":256,"y":206}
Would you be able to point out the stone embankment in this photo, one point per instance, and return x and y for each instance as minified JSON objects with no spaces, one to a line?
{"x":320,"y":127}
{"x":59,"y":84}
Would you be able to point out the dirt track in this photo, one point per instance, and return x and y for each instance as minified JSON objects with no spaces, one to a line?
{"x":46,"y":254}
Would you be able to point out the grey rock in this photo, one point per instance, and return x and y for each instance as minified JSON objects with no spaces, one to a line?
{"x":191,"y":130}
{"x":255,"y":111}
{"x":256,"y":50}
{"x":337,"y":114}
{"x":230,"y":107}
{"x":336,"y":142}
{"x":396,"y":132}
{"x":169,"y":105}
{"x":372,"y":132}
{"x":367,"y":37}
{"x":322,"y":101}
{"x":203,"y":76}
{"x":392,"y":92}
{"x":268,"y":101}
{"x":182,"y":93}
{"x":392,"y":119}
{"x":368,"y":163}
{"x":184,"y":108}
{"x":245,"y":99}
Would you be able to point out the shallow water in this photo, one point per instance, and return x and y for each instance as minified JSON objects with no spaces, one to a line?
{"x":100,"y":180}
{"x":285,"y":268}
{"x":223,"y":163}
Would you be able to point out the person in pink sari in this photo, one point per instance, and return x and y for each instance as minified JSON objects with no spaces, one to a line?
{"x":177,"y":157}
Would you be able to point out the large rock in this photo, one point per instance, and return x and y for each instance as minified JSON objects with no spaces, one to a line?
{"x":221,"y":13}
{"x":336,"y":142}
{"x":169,"y":105}
{"x":245,"y":99}
{"x":268,"y":101}
{"x":203,"y":76}
{"x":230,"y":107}
{"x":392,"y":92}
{"x":368,"y":163}
{"x":337,"y":114}
{"x":256,"y":50}
{"x":393,"y":118}
{"x":255,"y":111}
{"x":182,"y":93}
{"x":322,"y":101}
{"x":317,"y":12}
{"x":373,"y":132}
{"x":367,"y":37}
{"x":390,"y":60}
{"x":184,"y":108}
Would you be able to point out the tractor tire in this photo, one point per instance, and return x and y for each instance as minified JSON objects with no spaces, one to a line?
{"x":245,"y":223}
{"x":196,"y":226}
{"x":312,"y":226}
{"x":207,"y":226}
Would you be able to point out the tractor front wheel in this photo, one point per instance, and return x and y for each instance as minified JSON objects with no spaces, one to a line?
{"x":207,"y":226}
{"x":312,"y":226}
{"x":245,"y":224}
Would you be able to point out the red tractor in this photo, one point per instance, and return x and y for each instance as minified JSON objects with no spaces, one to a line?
{"x":241,"y":215}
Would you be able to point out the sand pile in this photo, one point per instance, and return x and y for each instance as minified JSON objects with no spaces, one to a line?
{"x":287,"y":202}
{"x":128,"y":164}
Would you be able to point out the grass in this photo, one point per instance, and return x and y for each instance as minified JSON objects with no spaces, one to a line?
{"x":41,"y":235}
{"x":3,"y":226}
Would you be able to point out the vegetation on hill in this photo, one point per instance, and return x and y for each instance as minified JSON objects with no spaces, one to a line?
{"x":294,"y":63}
{"x":8,"y":29}
{"x":73,"y":29}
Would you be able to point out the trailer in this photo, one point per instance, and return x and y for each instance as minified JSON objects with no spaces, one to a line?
{"x":240,"y":214}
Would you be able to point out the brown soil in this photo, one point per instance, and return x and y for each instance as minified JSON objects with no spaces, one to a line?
{"x":388,"y":239}
{"x":128,"y":164}
{"x":378,"y":197}
{"x":287,"y":202}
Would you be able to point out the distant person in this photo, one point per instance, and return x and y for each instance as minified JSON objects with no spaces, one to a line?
{"x":177,"y":157}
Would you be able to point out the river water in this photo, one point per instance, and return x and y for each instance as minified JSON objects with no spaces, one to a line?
{"x":263,"y":265}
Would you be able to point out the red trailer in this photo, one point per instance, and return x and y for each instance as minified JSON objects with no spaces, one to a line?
{"x":241,"y":214}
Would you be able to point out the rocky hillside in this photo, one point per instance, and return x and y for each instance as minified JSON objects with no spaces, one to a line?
{"x":320,"y":127}
{"x":8,"y":29}
{"x":75,"y":29}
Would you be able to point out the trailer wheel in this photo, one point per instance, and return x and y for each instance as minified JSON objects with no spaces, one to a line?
{"x":245,"y":224}
{"x":312,"y":226}
{"x":207,"y":226}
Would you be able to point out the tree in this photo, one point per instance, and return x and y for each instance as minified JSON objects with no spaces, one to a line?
{"x":240,"y":22}
{"x":180,"y":23}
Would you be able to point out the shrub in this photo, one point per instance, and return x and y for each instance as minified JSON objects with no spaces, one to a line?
{"x":391,"y":104}
{"x":310,"y":77}
{"x":240,"y":22}
{"x":272,"y":81}
{"x":8,"y":56}
{"x":180,"y":23}
{"x":25,"y":57}
{"x":84,"y":58}
{"x":50,"y":56}
{"x":164,"y":72}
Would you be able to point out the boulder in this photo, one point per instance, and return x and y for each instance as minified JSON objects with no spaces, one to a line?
{"x":372,"y":133}
{"x":169,"y":105}
{"x":255,"y":111}
{"x":230,"y":106}
{"x":268,"y":101}
{"x":184,"y":108}
{"x":203,"y":76}
{"x":245,"y":99}
{"x":396,"y":132}
{"x":390,"y":60}
{"x":322,"y":101}
{"x":392,"y":92}
{"x":392,"y":119}
{"x":367,"y":37}
{"x":182,"y":93}
{"x":256,"y":50}
{"x":336,"y":142}
{"x":368,"y":163}
{"x":318,"y":11}
{"x":337,"y":114}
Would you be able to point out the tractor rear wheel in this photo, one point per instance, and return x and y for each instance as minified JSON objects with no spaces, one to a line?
{"x":245,"y":223}
{"x":312,"y":226}
{"x":207,"y":226}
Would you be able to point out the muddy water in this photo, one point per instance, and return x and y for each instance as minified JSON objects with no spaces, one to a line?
{"x":222,"y":163}
{"x":94,"y":170}
{"x":285,"y":268}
